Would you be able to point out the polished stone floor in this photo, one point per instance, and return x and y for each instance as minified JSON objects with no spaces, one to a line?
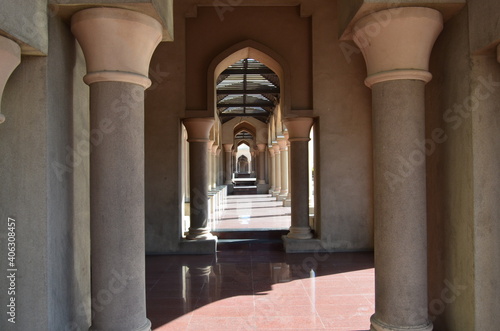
{"x":253,"y":212}
{"x":256,"y":285}
{"x":261,"y":290}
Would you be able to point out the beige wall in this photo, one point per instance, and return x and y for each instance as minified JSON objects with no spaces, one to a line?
{"x":463,"y":173}
{"x":449,"y":180}
{"x":45,"y":185}
{"x":342,"y":104}
{"x":280,"y":28}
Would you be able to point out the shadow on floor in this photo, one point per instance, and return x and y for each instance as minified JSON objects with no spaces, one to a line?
{"x":253,"y":288}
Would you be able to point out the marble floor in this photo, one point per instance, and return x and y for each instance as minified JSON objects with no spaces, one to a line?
{"x":253,"y":212}
{"x":259,"y":287}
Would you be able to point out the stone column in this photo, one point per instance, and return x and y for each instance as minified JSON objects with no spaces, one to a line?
{"x":214,"y":167}
{"x":272,"y":166}
{"x":10,"y":53}
{"x":397,"y":65}
{"x":235,"y":166}
{"x":219,"y":173}
{"x":198,"y":137}
{"x":118,"y":45}
{"x":228,"y":148}
{"x":288,"y":200}
{"x":277,"y":169}
{"x":210,"y":164}
{"x":298,"y":130}
{"x":262,"y":164}
{"x":282,"y":143}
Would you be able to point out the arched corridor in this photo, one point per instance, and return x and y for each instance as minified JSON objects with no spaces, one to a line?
{"x":316,"y":161}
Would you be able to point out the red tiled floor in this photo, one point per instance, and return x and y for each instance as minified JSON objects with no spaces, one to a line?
{"x":244,"y":292}
{"x":260,"y":289}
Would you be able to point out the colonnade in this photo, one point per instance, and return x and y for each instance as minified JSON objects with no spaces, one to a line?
{"x":118,"y":45}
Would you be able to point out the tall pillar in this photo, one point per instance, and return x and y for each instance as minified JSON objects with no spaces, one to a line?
{"x":210,"y":164}
{"x":228,"y":148}
{"x":277,"y":169}
{"x":298,"y":130}
{"x":218,"y":162}
{"x":397,"y":65}
{"x":214,"y":169}
{"x":10,"y":53}
{"x":288,"y":200}
{"x":198,"y":137}
{"x":262,"y":164}
{"x":272,"y":166}
{"x":118,"y":45}
{"x":283,"y":145}
{"x":235,"y":161}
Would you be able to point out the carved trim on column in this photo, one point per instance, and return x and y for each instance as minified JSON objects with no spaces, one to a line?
{"x":299,"y":128}
{"x":10,"y":57}
{"x":198,"y":128}
{"x":117,"y":43}
{"x":399,"y":46}
{"x":283,"y":143}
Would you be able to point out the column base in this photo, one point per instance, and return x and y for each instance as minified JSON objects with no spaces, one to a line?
{"x":262,"y":188}
{"x":302,"y":245}
{"x":377,"y":325}
{"x":261,"y":182}
{"x":299,"y":233}
{"x":199,"y":234}
{"x":145,"y":327}
{"x":287,"y":202}
{"x":207,"y":246}
{"x":276,"y":192}
{"x":282,"y":196}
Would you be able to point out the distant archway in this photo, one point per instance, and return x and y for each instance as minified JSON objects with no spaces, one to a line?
{"x":254,"y":50}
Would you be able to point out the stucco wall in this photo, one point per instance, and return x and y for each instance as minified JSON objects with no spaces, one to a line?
{"x":279,"y":28}
{"x":485,"y":31}
{"x":450,"y":180}
{"x":164,"y":104}
{"x":344,"y":183}
{"x":46,"y":106}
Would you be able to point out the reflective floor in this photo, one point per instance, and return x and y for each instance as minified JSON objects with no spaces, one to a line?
{"x":254,"y":290}
{"x":256,"y":285}
{"x":253,"y":212}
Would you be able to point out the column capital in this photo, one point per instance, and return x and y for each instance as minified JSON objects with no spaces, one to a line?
{"x":282,"y":143}
{"x":299,"y":128}
{"x":210,"y":144}
{"x":261,"y":147}
{"x":276,"y":148}
{"x":117,"y":43}
{"x":10,"y":53}
{"x":214,"y":148}
{"x":397,"y":44}
{"x":217,"y":151}
{"x":228,"y":148}
{"x":198,"y":128}
{"x":271,"y":150}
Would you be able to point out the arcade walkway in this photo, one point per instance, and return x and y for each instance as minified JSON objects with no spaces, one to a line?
{"x":261,"y":287}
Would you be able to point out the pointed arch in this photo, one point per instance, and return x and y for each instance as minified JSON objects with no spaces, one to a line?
{"x":249,"y":49}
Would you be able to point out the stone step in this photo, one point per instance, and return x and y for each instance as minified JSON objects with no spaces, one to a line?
{"x":271,"y":234}
{"x":250,"y":245}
